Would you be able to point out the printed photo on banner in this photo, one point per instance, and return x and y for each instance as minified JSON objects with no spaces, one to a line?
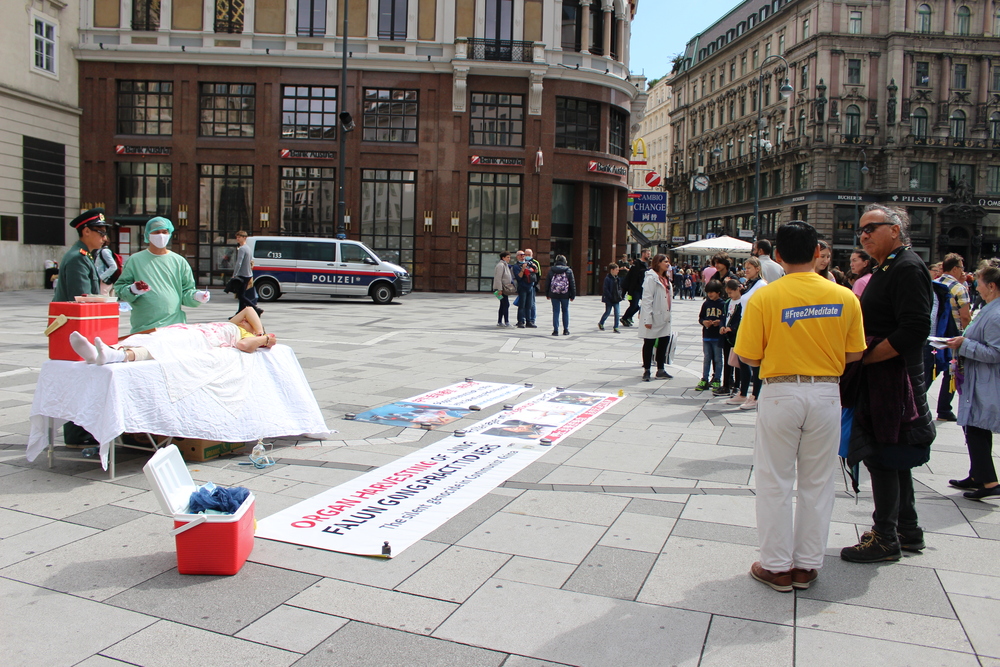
{"x":469,"y":393}
{"x":413,"y":415}
{"x":553,"y":415}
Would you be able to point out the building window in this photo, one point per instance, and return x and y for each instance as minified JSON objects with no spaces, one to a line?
{"x":963,"y":18}
{"x":596,"y":37}
{"x":229,"y":16}
{"x":743,"y":105}
{"x":392,"y":19}
{"x":854,"y":71}
{"x":756,"y":58}
{"x":743,"y":65}
{"x":996,"y":78}
{"x":740,"y":190}
{"x":144,"y":188}
{"x":43,"y":191}
{"x":388,"y":209}
{"x":145,"y":107}
{"x":853,"y":121}
{"x":732,"y":71}
{"x":494,"y":225}
{"x":499,"y":19}
{"x":805,"y":28}
{"x":923,"y":176}
{"x":961,"y":80}
{"x":958,"y":124}
{"x":390,"y":114}
{"x":311,"y":18}
{"x":801,"y":176}
{"x":722,"y":77}
{"x":996,"y":24}
{"x":8,"y":228}
{"x":995,"y":126}
{"x":848,"y":175}
{"x":802,"y":123}
{"x":960,"y":172}
{"x":618,"y":133}
{"x":145,"y":14}
{"x":804,"y":77}
{"x":781,"y":44}
{"x":308,"y":112}
{"x":993,"y":180}
{"x":776,"y":183}
{"x":924,"y":18}
{"x":227,"y":109}
{"x":226,"y":197}
{"x":308,"y":201}
{"x":854,"y":23}
{"x":732,"y":111}
{"x":496,"y":119}
{"x":923,"y":74}
{"x":918,"y":122}
{"x":571,"y":25}
{"x":767,"y":49}
{"x":45,"y":47}
{"x":578,"y":124}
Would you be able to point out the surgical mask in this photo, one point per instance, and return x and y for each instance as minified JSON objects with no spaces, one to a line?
{"x":159,"y":240}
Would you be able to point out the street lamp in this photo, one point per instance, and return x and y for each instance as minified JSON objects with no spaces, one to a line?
{"x":346,"y":125}
{"x":784,"y":92}
{"x":863,"y":169}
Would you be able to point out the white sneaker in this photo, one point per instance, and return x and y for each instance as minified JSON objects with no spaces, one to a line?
{"x":750,"y":404}
{"x":735,"y":399}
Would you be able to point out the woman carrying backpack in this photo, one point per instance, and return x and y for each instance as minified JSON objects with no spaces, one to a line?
{"x":560,"y":290}
{"x":108,"y":269}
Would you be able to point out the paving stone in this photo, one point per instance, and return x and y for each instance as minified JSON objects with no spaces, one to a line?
{"x":30,"y":543}
{"x":654,"y":508}
{"x":57,"y":496}
{"x":459,"y":525}
{"x":639,"y":532}
{"x":292,"y":629}
{"x":535,"y":621}
{"x":536,"y":571}
{"x":611,"y":572}
{"x":976,"y":585}
{"x":739,"y":511}
{"x":105,"y":517}
{"x":364,"y":645}
{"x":13,"y":522}
{"x":166,"y":644}
{"x":583,"y":507}
{"x":43,"y":627}
{"x":717,"y":471}
{"x":374,"y":605}
{"x":219,"y":604}
{"x":736,"y":641}
{"x":978,"y":616}
{"x":814,"y":647}
{"x":455,"y":574}
{"x":535,"y":537}
{"x":716,"y":532}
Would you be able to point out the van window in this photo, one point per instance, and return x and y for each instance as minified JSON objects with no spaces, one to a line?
{"x":352,"y":253}
{"x":275,"y":249}
{"x":317,"y":251}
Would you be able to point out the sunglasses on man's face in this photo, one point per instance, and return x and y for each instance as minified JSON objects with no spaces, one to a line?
{"x":871,"y":227}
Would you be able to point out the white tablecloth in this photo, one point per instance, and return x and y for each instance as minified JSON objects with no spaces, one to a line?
{"x":133,"y":398}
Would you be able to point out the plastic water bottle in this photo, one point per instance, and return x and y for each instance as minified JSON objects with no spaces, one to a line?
{"x":258,"y":451}
{"x":90,"y":452}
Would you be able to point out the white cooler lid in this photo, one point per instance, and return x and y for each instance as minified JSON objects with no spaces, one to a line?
{"x":170,"y":480}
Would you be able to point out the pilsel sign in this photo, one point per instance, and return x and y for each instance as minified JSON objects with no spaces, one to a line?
{"x":918,"y":199}
{"x":491,"y":161}
{"x":308,"y":155}
{"x":142,"y":150}
{"x":603,"y":168}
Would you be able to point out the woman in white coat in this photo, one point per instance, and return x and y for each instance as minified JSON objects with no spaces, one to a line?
{"x":654,"y":319}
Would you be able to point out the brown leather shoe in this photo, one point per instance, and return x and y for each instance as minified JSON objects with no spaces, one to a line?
{"x":801,"y":579}
{"x":779,"y":581}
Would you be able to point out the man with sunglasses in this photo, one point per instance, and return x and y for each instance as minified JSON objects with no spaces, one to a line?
{"x":77,"y":271}
{"x":893,"y":428}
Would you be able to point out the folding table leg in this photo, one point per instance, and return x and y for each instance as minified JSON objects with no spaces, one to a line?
{"x":111,"y":458}
{"x":50,"y":436}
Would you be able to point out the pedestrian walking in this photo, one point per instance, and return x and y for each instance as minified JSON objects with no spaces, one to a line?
{"x":504,"y":288}
{"x":611,"y":296}
{"x":560,"y":289}
{"x":801,"y":331}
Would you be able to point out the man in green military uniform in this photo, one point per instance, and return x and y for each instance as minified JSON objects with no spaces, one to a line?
{"x":78,"y":276}
{"x":77,"y":272}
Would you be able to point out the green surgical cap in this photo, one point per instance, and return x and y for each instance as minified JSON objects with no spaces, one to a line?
{"x":155,"y":224}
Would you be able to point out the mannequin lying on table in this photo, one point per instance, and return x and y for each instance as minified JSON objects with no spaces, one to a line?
{"x":243,"y":332}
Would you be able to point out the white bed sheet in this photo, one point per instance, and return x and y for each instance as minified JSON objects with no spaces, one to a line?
{"x":133,"y":398}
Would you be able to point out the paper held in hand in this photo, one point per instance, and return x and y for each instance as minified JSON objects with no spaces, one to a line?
{"x":938,"y":342}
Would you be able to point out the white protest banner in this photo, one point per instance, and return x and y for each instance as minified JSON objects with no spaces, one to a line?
{"x":552,"y":415}
{"x":442,"y":406}
{"x":467,"y":394}
{"x":402,"y":502}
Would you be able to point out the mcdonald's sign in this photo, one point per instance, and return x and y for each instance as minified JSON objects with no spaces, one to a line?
{"x":638,"y":152}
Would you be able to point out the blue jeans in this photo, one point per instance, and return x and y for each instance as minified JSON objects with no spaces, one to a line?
{"x":525,"y":303}
{"x":557,"y":305}
{"x":534,"y":297}
{"x":713,"y":355}
{"x":608,"y":307}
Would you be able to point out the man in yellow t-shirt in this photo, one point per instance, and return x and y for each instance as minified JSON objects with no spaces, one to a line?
{"x":801,"y":330}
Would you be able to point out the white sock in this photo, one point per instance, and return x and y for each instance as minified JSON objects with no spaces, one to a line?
{"x":107,"y":354}
{"x":83,"y":347}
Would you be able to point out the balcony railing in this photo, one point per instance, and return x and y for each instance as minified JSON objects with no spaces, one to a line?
{"x":503,"y":50}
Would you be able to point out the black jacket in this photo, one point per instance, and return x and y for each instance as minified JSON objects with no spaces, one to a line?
{"x":633,"y":281}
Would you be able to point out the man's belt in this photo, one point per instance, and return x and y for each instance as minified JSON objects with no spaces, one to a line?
{"x":802,"y":378}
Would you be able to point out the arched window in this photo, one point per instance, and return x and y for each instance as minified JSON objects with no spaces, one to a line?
{"x":963,"y":20}
{"x":802,"y":123}
{"x":919,"y":122}
{"x":924,"y":18}
{"x":995,"y":126}
{"x":853,"y":121}
{"x":958,"y":124}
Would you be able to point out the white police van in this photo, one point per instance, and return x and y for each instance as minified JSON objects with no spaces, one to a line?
{"x":322,"y":266}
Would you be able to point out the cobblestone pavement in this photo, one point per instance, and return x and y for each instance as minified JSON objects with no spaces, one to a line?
{"x":628,"y":544}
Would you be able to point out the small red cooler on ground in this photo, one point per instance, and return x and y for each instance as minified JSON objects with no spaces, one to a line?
{"x":92,"y":320}
{"x":206,"y":543}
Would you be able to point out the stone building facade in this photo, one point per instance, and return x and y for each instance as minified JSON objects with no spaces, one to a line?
{"x":481,"y":126}
{"x":893,"y":101}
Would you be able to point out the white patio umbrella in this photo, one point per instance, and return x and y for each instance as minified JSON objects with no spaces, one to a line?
{"x":727,"y":244}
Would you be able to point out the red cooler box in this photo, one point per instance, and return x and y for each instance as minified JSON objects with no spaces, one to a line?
{"x":92,"y":320}
{"x":206,"y":543}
